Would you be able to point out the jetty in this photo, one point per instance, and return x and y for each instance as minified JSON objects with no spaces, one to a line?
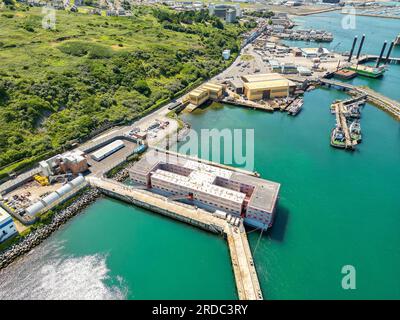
{"x":342,"y":123}
{"x":246,"y":279}
{"x":389,"y":105}
{"x":371,"y":57}
{"x":248,"y":104}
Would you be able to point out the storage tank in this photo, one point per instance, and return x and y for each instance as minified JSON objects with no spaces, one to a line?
{"x":65,"y":189}
{"x":51,"y":198}
{"x":77,"y":181}
{"x":34,"y":208}
{"x":220,"y":214}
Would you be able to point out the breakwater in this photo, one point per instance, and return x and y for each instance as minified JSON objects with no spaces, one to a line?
{"x":37,"y":236}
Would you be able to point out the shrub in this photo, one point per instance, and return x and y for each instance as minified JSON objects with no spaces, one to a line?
{"x":80,"y":49}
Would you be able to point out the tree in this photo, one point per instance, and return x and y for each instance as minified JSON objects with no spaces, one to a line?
{"x":142,"y":87}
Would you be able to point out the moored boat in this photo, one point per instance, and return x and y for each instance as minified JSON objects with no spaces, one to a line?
{"x":338,"y":139}
{"x":368,"y":71}
{"x":355,"y":131}
{"x":295,"y":107}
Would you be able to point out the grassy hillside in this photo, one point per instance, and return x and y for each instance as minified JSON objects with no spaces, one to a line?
{"x":59,"y":85}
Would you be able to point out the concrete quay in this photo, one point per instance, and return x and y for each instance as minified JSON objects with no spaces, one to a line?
{"x":246,"y":279}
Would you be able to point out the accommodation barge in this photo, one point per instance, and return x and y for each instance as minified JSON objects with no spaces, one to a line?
{"x":208,"y":186}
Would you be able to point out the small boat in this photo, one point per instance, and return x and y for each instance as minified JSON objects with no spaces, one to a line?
{"x":338,"y":139}
{"x":295,"y":107}
{"x":355,"y":130}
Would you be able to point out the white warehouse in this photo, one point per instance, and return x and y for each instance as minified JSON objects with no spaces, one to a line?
{"x":108,"y":150}
{"x":7,"y":226}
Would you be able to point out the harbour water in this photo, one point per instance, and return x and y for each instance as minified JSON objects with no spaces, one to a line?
{"x":336,"y":208}
{"x":117,"y":251}
{"x":376,"y":31}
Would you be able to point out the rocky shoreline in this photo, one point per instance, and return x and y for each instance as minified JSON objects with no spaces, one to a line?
{"x":37,"y":236}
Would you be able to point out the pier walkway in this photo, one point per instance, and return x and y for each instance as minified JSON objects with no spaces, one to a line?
{"x":342,"y":122}
{"x":372,"y":57}
{"x":246,"y":279}
{"x":389,"y":105}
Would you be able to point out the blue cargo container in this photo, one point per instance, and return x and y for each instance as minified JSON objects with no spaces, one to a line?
{"x":140,"y":148}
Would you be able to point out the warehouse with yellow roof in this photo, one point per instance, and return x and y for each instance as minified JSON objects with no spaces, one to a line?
{"x":207,"y":91}
{"x":267,"y":86}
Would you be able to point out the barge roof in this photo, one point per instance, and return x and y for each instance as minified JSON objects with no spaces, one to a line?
{"x":265,"y":194}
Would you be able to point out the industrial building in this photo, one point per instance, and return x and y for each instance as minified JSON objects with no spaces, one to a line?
{"x":267,"y":86}
{"x":303,"y":71}
{"x":275,"y":66}
{"x":208,"y":186}
{"x":74,"y":162}
{"x":289,"y":68}
{"x":71,"y":162}
{"x":207,"y":91}
{"x":314,"y":52}
{"x":198,"y":96}
{"x":226,"y":54}
{"x":7,"y":225}
{"x":59,"y":194}
{"x":107,"y":150}
{"x":236,"y":85}
{"x":229,"y":13}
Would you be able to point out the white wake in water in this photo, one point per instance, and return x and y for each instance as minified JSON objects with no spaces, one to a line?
{"x":46,"y":273}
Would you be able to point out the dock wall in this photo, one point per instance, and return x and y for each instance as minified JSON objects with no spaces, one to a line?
{"x":246,"y":279}
{"x":390,"y":106}
{"x":194,"y":222}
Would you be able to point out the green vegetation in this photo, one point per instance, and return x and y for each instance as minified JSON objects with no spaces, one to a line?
{"x":57,"y":86}
{"x":260,"y":14}
{"x":132,"y":158}
{"x":173,"y":115}
{"x":246,"y":57}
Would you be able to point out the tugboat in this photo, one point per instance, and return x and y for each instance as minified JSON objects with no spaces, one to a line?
{"x":355,"y":131}
{"x":338,"y":139}
{"x":295,"y":107}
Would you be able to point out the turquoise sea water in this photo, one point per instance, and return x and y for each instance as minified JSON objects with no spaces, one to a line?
{"x":376,"y":31}
{"x":117,"y":251}
{"x":336,"y":208}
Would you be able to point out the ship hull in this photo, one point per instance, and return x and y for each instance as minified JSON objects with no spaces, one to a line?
{"x":367,"y":73}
